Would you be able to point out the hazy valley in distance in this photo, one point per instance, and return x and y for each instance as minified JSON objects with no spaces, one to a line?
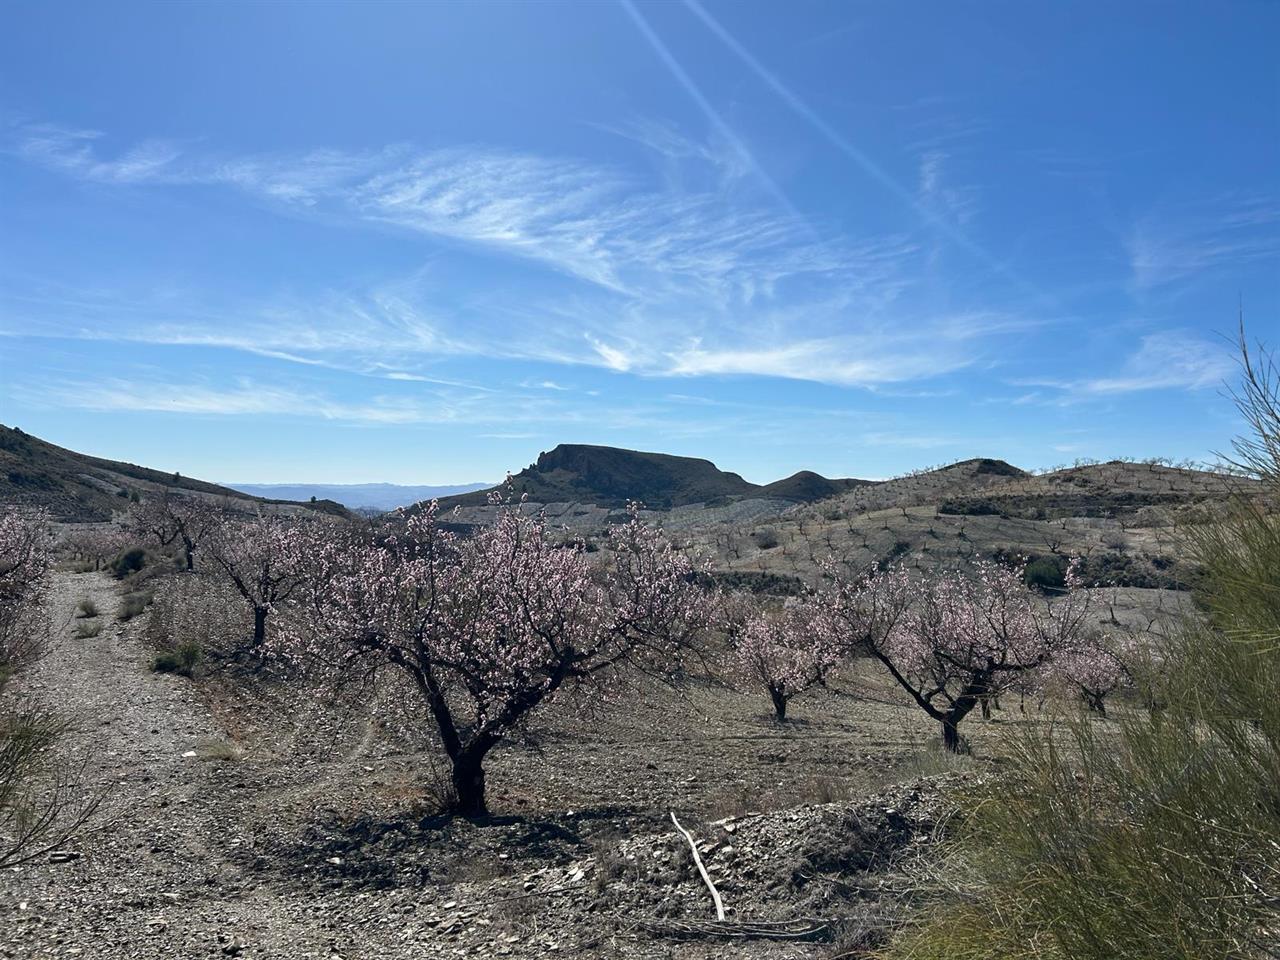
{"x":358,"y":496}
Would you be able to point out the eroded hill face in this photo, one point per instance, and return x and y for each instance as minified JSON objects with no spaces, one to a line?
{"x":78,"y":488}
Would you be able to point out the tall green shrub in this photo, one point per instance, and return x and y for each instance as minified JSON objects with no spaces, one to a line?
{"x":1157,"y":837}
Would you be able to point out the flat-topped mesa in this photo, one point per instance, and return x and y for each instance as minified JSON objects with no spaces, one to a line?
{"x":660,"y":480}
{"x":610,"y":476}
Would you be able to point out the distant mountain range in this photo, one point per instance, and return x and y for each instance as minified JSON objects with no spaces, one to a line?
{"x":609,"y":476}
{"x":358,"y":496}
{"x":73,"y":486}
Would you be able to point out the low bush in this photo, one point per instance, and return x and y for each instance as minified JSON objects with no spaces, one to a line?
{"x":765,"y":539}
{"x":1044,"y":574}
{"x":88,"y":629}
{"x":900,"y":549}
{"x":969,"y":508}
{"x":86,"y":609}
{"x":753,"y":581}
{"x":1145,"y":572}
{"x":132,"y":605}
{"x":130,"y":561}
{"x":182,"y":660}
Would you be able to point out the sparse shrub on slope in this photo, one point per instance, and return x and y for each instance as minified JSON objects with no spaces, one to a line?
{"x":1045,"y":574}
{"x":132,"y":605}
{"x":765,"y":539}
{"x":129,"y":562}
{"x":1157,"y":837}
{"x":183,"y":659}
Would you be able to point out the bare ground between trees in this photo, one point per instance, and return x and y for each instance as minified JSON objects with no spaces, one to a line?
{"x":244,"y":819}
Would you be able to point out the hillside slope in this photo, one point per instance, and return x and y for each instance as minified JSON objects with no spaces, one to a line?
{"x":1124,"y":519}
{"x":75,"y":487}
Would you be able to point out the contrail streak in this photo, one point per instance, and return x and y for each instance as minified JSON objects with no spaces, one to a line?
{"x":718,"y":122}
{"x":845,"y":146}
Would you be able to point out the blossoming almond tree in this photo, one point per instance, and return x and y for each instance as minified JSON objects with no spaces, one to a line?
{"x":177,"y":518}
{"x":42,"y":797}
{"x":1093,"y":668}
{"x":783,"y":652}
{"x":25,"y":560}
{"x":489,"y":628}
{"x":95,"y":542}
{"x":267,"y":559}
{"x":955,"y":638}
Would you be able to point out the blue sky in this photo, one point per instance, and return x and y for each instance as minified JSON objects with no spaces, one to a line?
{"x":422,"y":243}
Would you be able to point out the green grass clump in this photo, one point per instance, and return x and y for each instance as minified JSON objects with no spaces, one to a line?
{"x":182,"y":660}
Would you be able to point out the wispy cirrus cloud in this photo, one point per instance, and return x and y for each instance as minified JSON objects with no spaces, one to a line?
{"x":72,"y":151}
{"x":1170,"y":360}
{"x":652,"y":280}
{"x":1174,"y":245}
{"x":245,"y":398}
{"x":588,"y":221}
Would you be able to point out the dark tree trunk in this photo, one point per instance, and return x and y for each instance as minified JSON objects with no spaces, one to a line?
{"x":468,"y":784}
{"x":1094,"y":702}
{"x":986,"y":708}
{"x":973,"y":695}
{"x":259,"y":626}
{"x":951,"y":739}
{"x":779,"y":704}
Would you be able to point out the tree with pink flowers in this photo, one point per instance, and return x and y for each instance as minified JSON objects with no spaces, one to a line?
{"x":783,"y":651}
{"x":95,"y":542}
{"x":955,"y":638}
{"x":488,"y":628}
{"x":26,"y":557}
{"x":267,"y":559}
{"x":181,"y":519}
{"x":1094,"y":669}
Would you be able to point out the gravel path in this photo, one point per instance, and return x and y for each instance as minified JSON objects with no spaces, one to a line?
{"x":159,"y":875}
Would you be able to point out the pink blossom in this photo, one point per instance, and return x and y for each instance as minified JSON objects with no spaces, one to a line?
{"x":488,"y":628}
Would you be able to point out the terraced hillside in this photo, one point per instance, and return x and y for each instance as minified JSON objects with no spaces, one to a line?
{"x":1122,"y":518}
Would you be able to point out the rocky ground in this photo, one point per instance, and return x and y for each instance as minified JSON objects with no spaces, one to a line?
{"x":244,"y":819}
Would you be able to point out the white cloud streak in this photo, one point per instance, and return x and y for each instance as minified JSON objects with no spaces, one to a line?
{"x":624,"y":272}
{"x":1170,"y":247}
{"x":1170,"y":360}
